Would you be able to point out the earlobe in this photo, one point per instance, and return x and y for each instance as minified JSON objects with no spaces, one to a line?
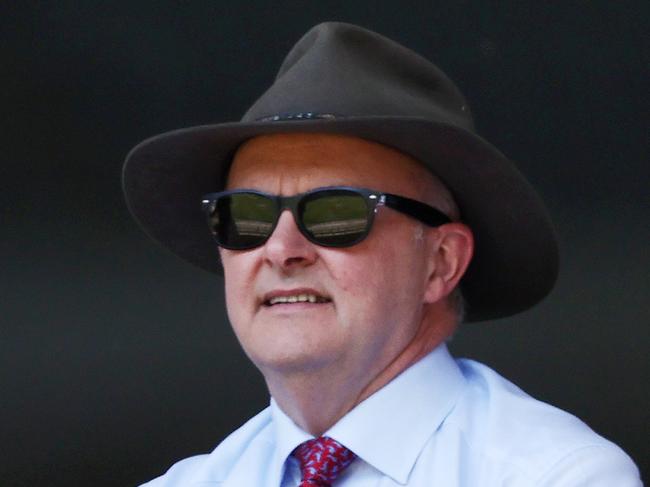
{"x":451,"y":249}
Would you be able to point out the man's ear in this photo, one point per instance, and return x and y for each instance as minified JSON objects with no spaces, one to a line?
{"x":451,"y":247}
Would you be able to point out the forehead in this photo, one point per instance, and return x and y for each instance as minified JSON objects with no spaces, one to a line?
{"x":293,"y":163}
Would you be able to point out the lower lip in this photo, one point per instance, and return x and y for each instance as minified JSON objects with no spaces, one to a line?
{"x":296,"y":307}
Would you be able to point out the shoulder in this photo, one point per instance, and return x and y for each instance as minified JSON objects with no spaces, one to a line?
{"x":180,"y":473}
{"x":518,"y":436}
{"x":210,"y":469}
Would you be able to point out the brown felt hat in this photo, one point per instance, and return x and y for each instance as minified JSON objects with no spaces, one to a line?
{"x":343,"y":79}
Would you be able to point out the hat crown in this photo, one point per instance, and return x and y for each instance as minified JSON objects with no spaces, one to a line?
{"x":347,"y":71}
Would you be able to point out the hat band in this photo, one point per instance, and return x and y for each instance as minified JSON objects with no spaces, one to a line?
{"x":297,"y":116}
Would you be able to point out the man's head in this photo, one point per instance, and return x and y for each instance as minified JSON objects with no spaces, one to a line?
{"x":343,"y":79}
{"x":376,"y":299}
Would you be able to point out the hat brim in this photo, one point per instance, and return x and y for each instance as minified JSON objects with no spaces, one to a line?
{"x":515,"y":261}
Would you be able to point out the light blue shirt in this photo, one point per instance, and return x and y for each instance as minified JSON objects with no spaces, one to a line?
{"x":442,"y":422}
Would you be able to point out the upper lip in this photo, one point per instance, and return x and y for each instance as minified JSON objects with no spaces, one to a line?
{"x":293,"y":292}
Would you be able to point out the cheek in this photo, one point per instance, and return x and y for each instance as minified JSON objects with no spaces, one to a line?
{"x":388,"y":276}
{"x":233,"y":309}
{"x":368,"y":282}
{"x":238,"y":269}
{"x":238,"y":288}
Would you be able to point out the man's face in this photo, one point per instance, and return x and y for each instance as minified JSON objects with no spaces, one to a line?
{"x":370,"y":295}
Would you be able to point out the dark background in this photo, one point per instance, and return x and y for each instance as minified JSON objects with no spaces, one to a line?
{"x":116,"y":358}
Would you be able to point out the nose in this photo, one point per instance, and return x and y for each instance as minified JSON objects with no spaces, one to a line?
{"x":287,"y":247}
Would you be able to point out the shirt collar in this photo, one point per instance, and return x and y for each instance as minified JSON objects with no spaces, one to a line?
{"x":288,"y":436}
{"x":389,"y":429}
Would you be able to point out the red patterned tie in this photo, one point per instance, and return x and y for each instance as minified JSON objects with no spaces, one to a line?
{"x":321,"y":461}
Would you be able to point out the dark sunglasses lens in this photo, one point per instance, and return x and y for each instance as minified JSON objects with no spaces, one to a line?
{"x":243,"y":220}
{"x":335,"y":218}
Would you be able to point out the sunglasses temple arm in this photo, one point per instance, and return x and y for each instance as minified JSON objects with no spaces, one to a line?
{"x":420,"y":211}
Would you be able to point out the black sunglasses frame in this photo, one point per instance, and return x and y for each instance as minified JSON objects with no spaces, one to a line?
{"x":374,"y":199}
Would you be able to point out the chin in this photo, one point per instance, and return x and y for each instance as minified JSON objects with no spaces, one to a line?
{"x":290,"y":361}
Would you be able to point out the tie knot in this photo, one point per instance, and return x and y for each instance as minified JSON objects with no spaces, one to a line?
{"x":322,"y":460}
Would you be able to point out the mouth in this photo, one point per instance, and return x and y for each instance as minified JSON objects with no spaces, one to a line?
{"x":294,"y":297}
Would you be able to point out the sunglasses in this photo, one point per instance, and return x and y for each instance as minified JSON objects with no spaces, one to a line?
{"x":336,"y":216}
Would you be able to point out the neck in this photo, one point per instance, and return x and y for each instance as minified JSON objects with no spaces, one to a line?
{"x":317,"y":399}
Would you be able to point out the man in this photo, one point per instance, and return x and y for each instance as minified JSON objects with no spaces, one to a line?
{"x":357,"y":218}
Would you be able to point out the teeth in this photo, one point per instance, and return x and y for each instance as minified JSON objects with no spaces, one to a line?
{"x":298,"y":298}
